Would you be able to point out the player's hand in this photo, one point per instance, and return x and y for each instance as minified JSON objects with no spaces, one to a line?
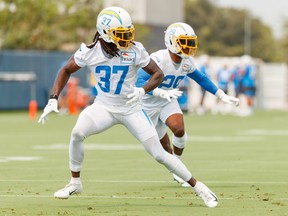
{"x":52,"y":105}
{"x":167,"y":94}
{"x":226,"y":98}
{"x":136,"y":95}
{"x":175,"y":93}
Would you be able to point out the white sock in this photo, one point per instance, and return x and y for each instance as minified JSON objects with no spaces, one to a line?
{"x":198,"y":186}
{"x":75,"y":180}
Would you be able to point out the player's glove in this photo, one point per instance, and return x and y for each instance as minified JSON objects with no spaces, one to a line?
{"x":136,"y":95}
{"x":52,"y":105}
{"x":167,"y":94}
{"x":226,"y":98}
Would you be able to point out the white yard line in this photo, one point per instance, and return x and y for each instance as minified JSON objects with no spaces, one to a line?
{"x":93,"y":146}
{"x":138,"y":146}
{"x":262,"y":132}
{"x":145,"y":181}
{"x":135,"y":197}
{"x":225,"y":138}
{"x":18,"y":158}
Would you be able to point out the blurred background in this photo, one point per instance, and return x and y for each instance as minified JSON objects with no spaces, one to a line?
{"x":243,"y":47}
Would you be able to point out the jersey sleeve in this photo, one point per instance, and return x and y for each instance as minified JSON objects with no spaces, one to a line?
{"x":79,"y":55}
{"x":203,"y":80}
{"x":158,"y":58}
{"x":144,"y":57}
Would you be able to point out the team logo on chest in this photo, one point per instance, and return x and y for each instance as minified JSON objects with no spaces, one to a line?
{"x":186,"y":68}
{"x":127,"y":57}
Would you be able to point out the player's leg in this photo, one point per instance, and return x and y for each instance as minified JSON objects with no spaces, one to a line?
{"x":179,"y":139}
{"x":174,"y":165}
{"x":250,"y":94}
{"x":92,"y":120}
{"x":142,"y":128}
{"x":140,"y":125}
{"x":165,"y":142}
{"x":175,"y":123}
{"x":172,"y":115}
{"x":161,"y":129}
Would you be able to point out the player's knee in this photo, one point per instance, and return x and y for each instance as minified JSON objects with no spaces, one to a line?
{"x":180,"y":142}
{"x":179,"y":131}
{"x":160,"y":158}
{"x":159,"y":155}
{"x":154,"y":148}
{"x":77,"y":134}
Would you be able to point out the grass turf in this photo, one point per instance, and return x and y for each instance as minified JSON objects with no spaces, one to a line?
{"x":243,"y":160}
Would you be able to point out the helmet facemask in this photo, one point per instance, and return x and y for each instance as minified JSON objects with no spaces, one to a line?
{"x":122,"y":37}
{"x":187,"y":45}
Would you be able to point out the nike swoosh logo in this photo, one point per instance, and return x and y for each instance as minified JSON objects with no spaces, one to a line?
{"x":216,"y":199}
{"x":72,"y":192}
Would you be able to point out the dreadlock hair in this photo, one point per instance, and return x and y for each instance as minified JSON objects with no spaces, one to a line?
{"x":109,"y":48}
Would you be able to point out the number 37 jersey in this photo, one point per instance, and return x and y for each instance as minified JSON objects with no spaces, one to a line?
{"x":114,"y":75}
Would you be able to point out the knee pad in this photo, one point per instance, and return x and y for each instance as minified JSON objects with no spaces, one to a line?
{"x":180,"y":142}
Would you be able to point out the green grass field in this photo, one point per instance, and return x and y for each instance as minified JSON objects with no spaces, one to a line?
{"x":243,"y":160}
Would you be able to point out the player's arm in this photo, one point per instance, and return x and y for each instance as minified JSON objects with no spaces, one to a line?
{"x":64,"y":75}
{"x":142,"y":77}
{"x":155,"y":79}
{"x":59,"y":83}
{"x":156,"y":76}
{"x":204,"y":81}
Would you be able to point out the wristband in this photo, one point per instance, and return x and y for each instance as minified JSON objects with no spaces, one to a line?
{"x":53,"y":97}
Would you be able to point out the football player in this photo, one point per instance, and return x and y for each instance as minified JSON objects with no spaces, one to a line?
{"x":115,"y":57}
{"x":176,"y":62}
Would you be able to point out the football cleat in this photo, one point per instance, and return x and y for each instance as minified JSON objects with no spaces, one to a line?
{"x":206,"y":194}
{"x":68,"y":190}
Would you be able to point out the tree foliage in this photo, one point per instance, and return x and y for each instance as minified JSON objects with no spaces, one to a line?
{"x":221,"y":31}
{"x":46,"y":25}
{"x":283,"y":43}
{"x":60,"y":25}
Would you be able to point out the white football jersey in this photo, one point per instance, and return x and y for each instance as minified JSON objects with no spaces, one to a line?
{"x":114,"y":75}
{"x":173,"y":75}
